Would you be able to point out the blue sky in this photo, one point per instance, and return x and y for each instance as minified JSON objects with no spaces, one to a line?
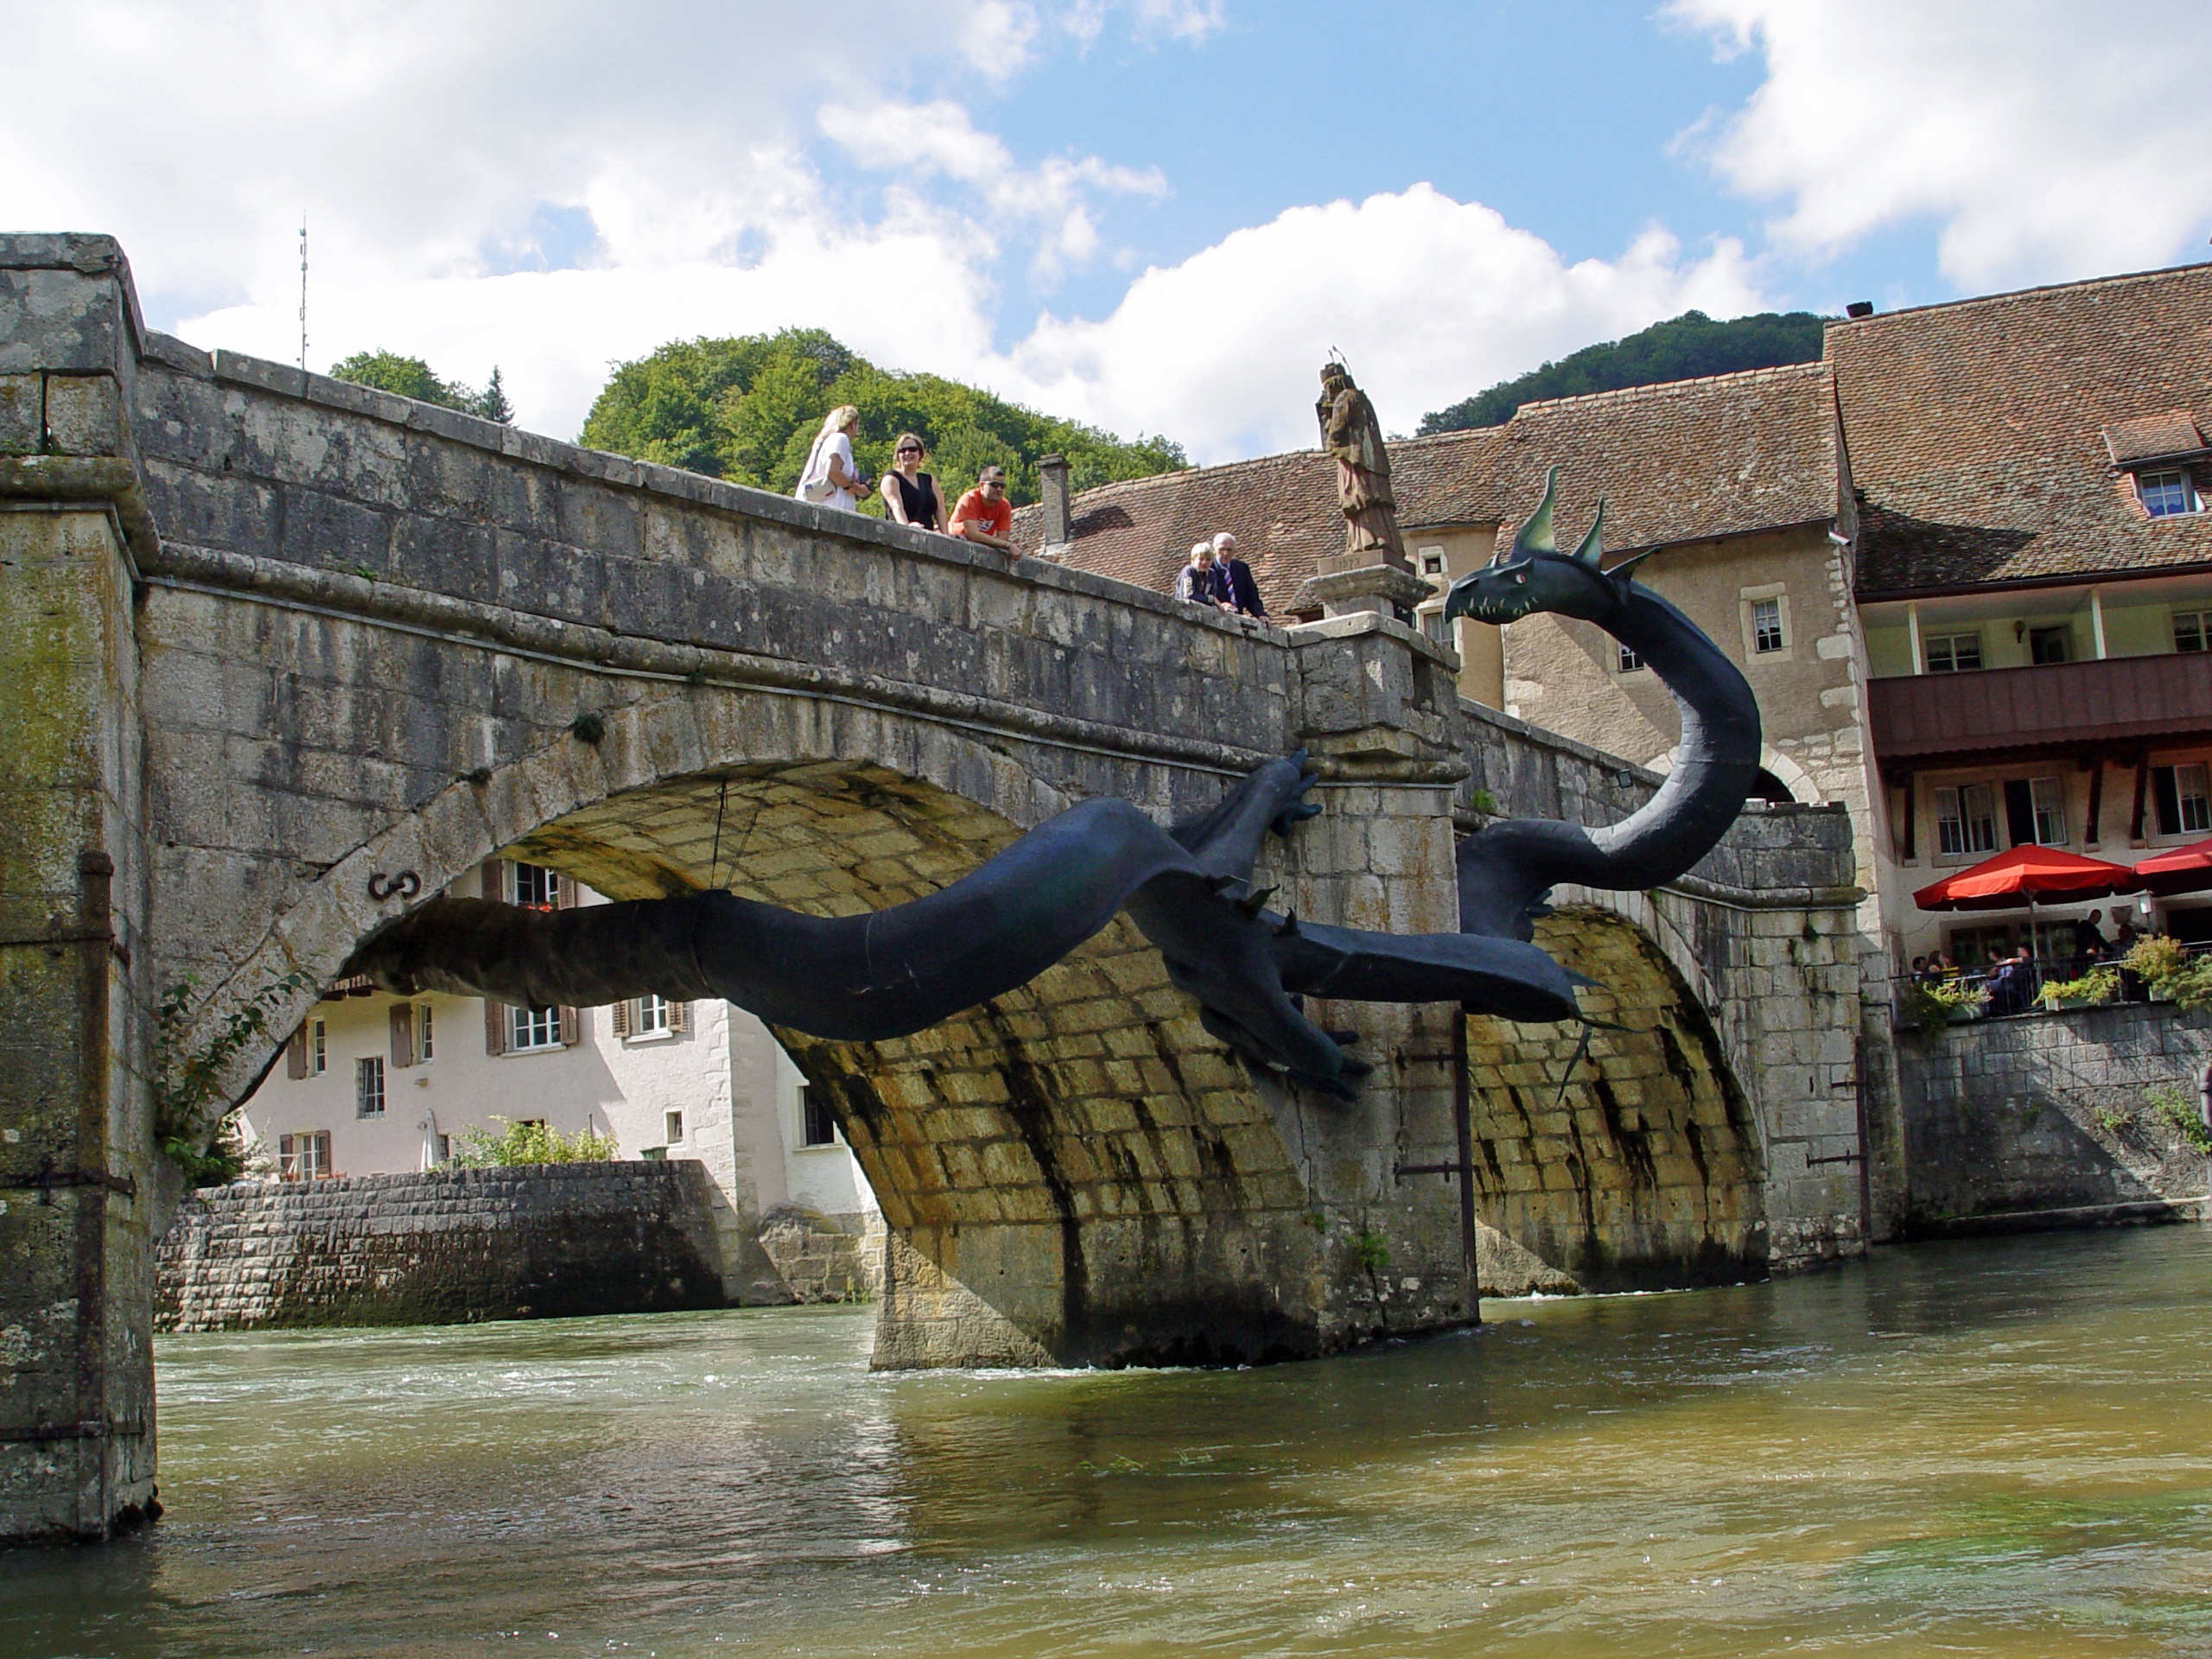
{"x":1153,"y":214}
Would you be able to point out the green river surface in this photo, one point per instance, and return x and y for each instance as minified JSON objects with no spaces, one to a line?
{"x":1990,"y":1447}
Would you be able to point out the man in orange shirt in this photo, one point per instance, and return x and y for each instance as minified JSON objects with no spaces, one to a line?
{"x":985,"y":515}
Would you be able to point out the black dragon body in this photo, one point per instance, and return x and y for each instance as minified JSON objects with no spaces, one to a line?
{"x":1189,"y":889}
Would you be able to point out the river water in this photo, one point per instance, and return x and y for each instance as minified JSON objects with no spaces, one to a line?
{"x":1997,"y":1448}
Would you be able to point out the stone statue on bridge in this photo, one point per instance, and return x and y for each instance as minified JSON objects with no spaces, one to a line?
{"x":1350,"y":433}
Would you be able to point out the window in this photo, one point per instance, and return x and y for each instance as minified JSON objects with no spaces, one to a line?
{"x":1627,"y":661}
{"x":1766,"y":626}
{"x":536,"y":886}
{"x":673,"y":1123}
{"x":817,"y":1124}
{"x":2053,"y":645}
{"x":1951,"y":653}
{"x":2166,"y":493}
{"x":2190,"y":632}
{"x":303,"y":1157}
{"x":1438,"y":630}
{"x":2048,"y":797}
{"x":424,"y":1050}
{"x":368,"y":1087}
{"x":318,"y":1048}
{"x":529,"y":1028}
{"x":1966,"y":820}
{"x":651,"y":1017}
{"x":1432,"y":561}
{"x":2184,"y":803}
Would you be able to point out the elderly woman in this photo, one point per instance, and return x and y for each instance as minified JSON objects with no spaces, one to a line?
{"x":1199,"y":581}
{"x":830,"y":479}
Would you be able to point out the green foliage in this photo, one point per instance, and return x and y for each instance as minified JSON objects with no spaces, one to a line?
{"x":2155,"y":958}
{"x":1373,"y":1253}
{"x":1485,"y":802}
{"x":2176,"y":1108}
{"x":2113,"y":1119}
{"x":186,"y":1081}
{"x":2098,"y":985}
{"x":529,"y":1143}
{"x":410,"y":377}
{"x":747,"y":410}
{"x":1683,"y":348}
{"x":1931,"y":1006}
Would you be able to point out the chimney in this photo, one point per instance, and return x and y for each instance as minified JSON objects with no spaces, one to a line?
{"x":1858,"y":309}
{"x":1052,"y":487}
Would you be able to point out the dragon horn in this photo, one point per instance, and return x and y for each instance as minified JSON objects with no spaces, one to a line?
{"x":1591,"y":550}
{"x":1252,"y":903}
{"x":1535,"y":536}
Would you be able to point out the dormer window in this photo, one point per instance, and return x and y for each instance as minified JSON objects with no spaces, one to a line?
{"x":2165,"y":492}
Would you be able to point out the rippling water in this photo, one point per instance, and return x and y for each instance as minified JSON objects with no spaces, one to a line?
{"x":1987,"y":1448}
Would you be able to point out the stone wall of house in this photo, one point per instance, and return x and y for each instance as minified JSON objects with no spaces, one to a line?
{"x":2043,"y":1120}
{"x":448,"y":1247}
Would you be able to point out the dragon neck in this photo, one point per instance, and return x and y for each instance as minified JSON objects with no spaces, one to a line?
{"x":1507,"y":866}
{"x":1716,"y":764}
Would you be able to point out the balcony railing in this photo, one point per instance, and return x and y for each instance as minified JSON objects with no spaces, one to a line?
{"x":2057,"y":704}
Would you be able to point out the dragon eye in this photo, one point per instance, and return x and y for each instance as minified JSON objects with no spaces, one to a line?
{"x":1522,"y":580}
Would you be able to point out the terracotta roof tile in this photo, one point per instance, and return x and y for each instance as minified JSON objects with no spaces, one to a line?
{"x":2173,"y":433}
{"x":1683,"y":461}
{"x":1977,"y":431}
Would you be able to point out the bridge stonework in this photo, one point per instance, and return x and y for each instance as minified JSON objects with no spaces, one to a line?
{"x":276,"y":639}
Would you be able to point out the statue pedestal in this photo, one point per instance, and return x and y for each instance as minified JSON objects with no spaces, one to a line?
{"x":1389,"y":589}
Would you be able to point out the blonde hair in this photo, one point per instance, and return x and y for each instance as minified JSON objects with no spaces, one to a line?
{"x":838,"y":419}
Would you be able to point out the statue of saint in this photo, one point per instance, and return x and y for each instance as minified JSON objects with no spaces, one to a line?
{"x":1351,"y":434}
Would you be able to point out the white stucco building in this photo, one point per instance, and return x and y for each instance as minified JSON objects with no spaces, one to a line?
{"x":372,"y":1084}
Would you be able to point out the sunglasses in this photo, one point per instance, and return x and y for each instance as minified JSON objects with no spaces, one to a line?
{"x":910,"y":448}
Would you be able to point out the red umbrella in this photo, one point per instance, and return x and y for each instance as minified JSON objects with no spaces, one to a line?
{"x":2186,"y":870}
{"x":2026,"y":874}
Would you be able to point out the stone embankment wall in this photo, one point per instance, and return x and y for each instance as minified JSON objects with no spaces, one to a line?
{"x":825,"y":1258}
{"x":448,"y":1247}
{"x":2042,"y":1120}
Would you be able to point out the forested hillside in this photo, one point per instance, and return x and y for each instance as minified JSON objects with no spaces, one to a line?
{"x":1682,"y":348}
{"x":747,"y":410}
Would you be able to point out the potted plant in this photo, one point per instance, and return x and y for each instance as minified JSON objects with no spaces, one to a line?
{"x":1934,"y":1004}
{"x":2157,"y":961}
{"x":2098,"y":986}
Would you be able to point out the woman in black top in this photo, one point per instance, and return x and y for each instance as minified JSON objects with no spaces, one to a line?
{"x":910,"y":494}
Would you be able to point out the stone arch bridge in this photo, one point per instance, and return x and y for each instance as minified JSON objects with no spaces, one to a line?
{"x":276,"y":644}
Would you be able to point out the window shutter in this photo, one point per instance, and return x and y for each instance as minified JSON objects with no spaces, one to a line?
{"x":572,"y":1027}
{"x":495,"y":1026}
{"x":618,"y":1017}
{"x":402,"y":1034}
{"x":678,"y":1015}
{"x":495,"y":880}
{"x":564,"y":898}
{"x":295,"y":1054}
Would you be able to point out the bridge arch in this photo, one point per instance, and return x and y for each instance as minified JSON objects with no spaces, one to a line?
{"x":1638,"y":1165}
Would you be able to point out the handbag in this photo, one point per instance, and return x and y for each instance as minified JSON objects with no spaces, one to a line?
{"x":814,"y":487}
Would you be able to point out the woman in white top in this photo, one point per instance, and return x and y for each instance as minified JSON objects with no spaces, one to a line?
{"x":830,"y":479}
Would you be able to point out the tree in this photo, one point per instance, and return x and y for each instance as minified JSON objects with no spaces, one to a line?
{"x":1682,"y":348}
{"x":410,"y":377}
{"x":747,"y":409}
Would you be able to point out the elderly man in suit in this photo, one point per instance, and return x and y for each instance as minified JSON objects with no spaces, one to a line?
{"x":1236,"y":578}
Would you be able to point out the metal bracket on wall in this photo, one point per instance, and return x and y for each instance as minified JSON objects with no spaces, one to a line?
{"x":61,"y":935}
{"x":1839,"y":1157}
{"x":47,"y":1178}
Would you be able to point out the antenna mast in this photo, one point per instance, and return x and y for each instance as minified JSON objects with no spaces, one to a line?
{"x":303,"y":293}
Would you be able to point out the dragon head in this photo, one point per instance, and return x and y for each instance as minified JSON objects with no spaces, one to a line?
{"x":1533,"y":575}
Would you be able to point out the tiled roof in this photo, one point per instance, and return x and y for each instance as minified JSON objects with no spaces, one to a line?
{"x":1983,"y":435}
{"x":2173,"y":433}
{"x":1684,"y":462}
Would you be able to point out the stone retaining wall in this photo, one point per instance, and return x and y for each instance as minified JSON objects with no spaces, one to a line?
{"x":2041,"y":1120}
{"x":446,"y":1248}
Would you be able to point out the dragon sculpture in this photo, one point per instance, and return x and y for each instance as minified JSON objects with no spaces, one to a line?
{"x":1189,"y":889}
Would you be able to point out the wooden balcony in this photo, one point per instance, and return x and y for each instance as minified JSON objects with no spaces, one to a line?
{"x":2057,"y":706}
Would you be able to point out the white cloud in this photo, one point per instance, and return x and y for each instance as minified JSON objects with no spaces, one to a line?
{"x":1430,"y":299}
{"x":2046,"y":139}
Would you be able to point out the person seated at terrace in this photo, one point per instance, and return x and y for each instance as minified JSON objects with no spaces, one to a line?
{"x":910,"y":495}
{"x":1198,"y":582}
{"x":1922,"y":973}
{"x":983,"y":515}
{"x":2011,"y":984}
{"x":1942,"y":966}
